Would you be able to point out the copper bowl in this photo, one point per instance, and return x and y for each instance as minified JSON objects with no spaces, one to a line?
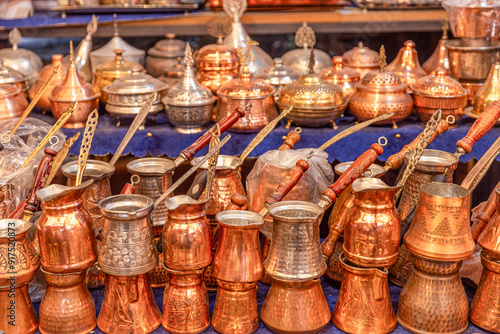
{"x":12,"y":101}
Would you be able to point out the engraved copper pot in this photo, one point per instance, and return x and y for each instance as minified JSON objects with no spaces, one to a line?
{"x":362,"y":59}
{"x":185,"y":303}
{"x":295,"y":307}
{"x":372,"y":230}
{"x":227,"y":181}
{"x":44,"y":102}
{"x":295,"y":252}
{"x":128,"y":246}
{"x":406,"y":65}
{"x":217,"y":64}
{"x":19,"y":263}
{"x":66,"y":238}
{"x":67,"y":306}
{"x":12,"y":101}
{"x":484,"y":311}
{"x":155,"y":176}
{"x":433,"y":300}
{"x":364,"y":304}
{"x":187,"y":243}
{"x":441,"y":227}
{"x":158,"y":277}
{"x":128,"y":306}
{"x":342,"y":76}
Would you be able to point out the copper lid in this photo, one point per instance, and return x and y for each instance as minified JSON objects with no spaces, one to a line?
{"x":278,"y":74}
{"x":217,"y":54}
{"x":167,"y":48}
{"x":117,"y":67}
{"x":135,"y":83}
{"x":339,"y":73}
{"x":406,"y":64}
{"x":361,"y":56}
{"x":439,"y":84}
{"x":10,"y":76}
{"x":47,"y":70}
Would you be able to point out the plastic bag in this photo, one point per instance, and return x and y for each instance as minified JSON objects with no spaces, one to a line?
{"x":37,"y":286}
{"x":270,"y":169}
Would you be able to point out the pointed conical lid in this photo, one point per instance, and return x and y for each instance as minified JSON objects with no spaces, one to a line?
{"x":406,"y":64}
{"x":25,"y":61}
{"x":490,"y":91}
{"x":439,"y":58}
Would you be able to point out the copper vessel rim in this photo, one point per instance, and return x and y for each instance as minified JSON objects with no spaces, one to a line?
{"x":455,"y":45}
{"x":279,"y":210}
{"x":182,"y":272}
{"x":250,"y":219}
{"x":102,"y":168}
{"x":490,"y":261}
{"x":331,"y":108}
{"x":340,"y":168}
{"x":445,"y":159}
{"x":77,"y":100}
{"x":174,"y":202}
{"x":374,"y":184}
{"x":360,"y":269}
{"x":135,"y":166}
{"x":443,"y":189}
{"x":416,"y":92}
{"x":47,"y":194}
{"x":20,"y":227}
{"x":221,"y":159}
{"x":135,"y":212}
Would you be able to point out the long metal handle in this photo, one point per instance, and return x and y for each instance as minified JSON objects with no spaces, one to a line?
{"x":86,"y":143}
{"x":59,"y":158}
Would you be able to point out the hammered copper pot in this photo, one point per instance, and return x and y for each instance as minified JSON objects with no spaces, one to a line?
{"x":128,"y":306}
{"x":364,"y":304}
{"x":187,"y":243}
{"x":12,"y":101}
{"x":185,"y":303}
{"x":17,"y":315}
{"x":67,"y":306}
{"x":66,"y":238}
{"x":433,"y":300}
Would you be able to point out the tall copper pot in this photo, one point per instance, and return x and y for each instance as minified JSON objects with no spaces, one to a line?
{"x":17,"y":315}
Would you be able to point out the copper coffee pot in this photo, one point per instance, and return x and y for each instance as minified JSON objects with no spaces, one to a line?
{"x":406,"y":64}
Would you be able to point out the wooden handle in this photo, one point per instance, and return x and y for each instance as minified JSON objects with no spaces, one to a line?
{"x":483,"y":124}
{"x":18,"y":212}
{"x":128,"y":189}
{"x":483,"y":213}
{"x":238,"y":202}
{"x":289,"y":181}
{"x":290,"y":140}
{"x":396,"y":160}
{"x":337,"y":229}
{"x":224,"y":124}
{"x":354,"y":171}
{"x":32,"y":202}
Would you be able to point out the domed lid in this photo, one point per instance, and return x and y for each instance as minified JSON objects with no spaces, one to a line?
{"x":188,"y":92}
{"x":406,"y":64}
{"x":135,"y":83}
{"x":167,"y":48}
{"x":381,"y":81}
{"x":117,"y":67}
{"x":439,"y":84}
{"x":7,"y":90}
{"x":47,"y":70}
{"x":278,"y":74}
{"x":25,"y":61}
{"x":312,"y":91}
{"x":73,"y":88}
{"x":9,"y":75}
{"x":361,"y":56}
{"x":339,"y":73}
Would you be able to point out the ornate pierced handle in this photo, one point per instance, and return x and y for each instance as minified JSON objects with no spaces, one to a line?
{"x":354,"y":171}
{"x":290,"y":140}
{"x":238,"y":202}
{"x":482,"y":214}
{"x":86,"y":143}
{"x":203,"y":141}
{"x":483,"y":124}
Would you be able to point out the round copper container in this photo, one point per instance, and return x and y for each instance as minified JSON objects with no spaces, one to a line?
{"x":173,"y":74}
{"x":278,"y":75}
{"x":9,"y":75}
{"x":439,"y":91}
{"x":44,"y":102}
{"x":107,"y":72}
{"x":164,"y":55}
{"x":406,"y":64}
{"x":12,"y":101}
{"x":217,"y":64}
{"x":298,"y":59}
{"x":361,"y":58}
{"x":316,"y":102}
{"x":342,"y":76}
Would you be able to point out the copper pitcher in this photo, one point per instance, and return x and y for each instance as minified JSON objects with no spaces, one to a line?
{"x":66,"y":238}
{"x":484,"y":311}
{"x":489,"y":239}
{"x":18,"y":264}
{"x":67,"y":306}
{"x":128,"y":246}
{"x":433,"y":300}
{"x":364,"y":304}
{"x":441,"y":227}
{"x":187,"y":243}
{"x":155,"y":178}
{"x":372,"y":231}
{"x":295,"y":252}
{"x":128,"y":306}
{"x":185,"y":303}
{"x":295,"y":307}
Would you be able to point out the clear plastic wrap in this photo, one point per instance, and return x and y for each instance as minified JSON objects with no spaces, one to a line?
{"x":270,"y":169}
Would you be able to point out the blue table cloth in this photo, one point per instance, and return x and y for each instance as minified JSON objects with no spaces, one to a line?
{"x":164,"y":140}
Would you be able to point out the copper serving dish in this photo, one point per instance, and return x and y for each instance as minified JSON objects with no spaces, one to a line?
{"x":439,"y":91}
{"x":342,"y":76}
{"x":164,"y":55}
{"x":10,"y":76}
{"x":44,"y":102}
{"x":362,"y":59}
{"x":406,"y":65}
{"x":12,"y":101}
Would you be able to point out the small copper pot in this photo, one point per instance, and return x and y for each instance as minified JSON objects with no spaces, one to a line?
{"x":433,"y":300}
{"x":67,"y":306}
{"x":187,"y":243}
{"x":17,"y":315}
{"x":235,"y":309}
{"x":12,"y":101}
{"x":364,"y":304}
{"x":185,"y":303}
{"x":295,"y":307}
{"x":128,"y":306}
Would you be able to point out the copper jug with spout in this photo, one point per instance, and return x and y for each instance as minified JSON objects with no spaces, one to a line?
{"x":185,"y":303}
{"x":128,"y":306}
{"x":489,"y":239}
{"x":187,"y":243}
{"x":372,"y":231}
{"x":364,"y":304}
{"x":67,"y":306}
{"x":17,"y":315}
{"x":66,"y":238}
